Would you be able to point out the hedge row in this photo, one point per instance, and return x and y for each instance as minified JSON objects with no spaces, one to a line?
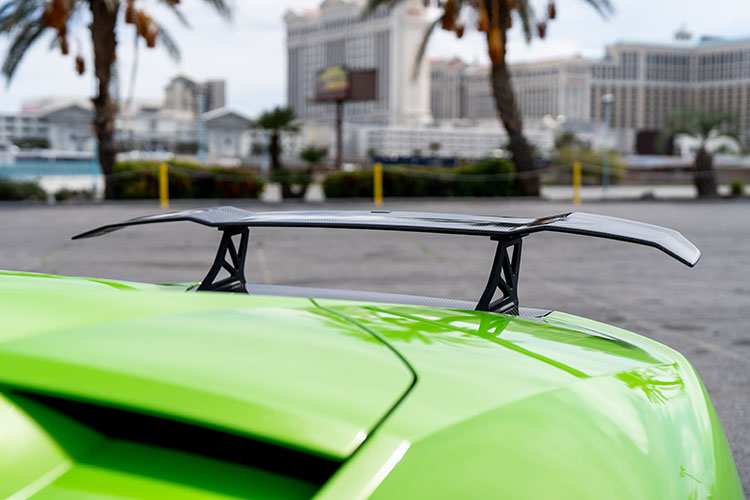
{"x":591,"y":164}
{"x":20,"y":190}
{"x":492,"y":177}
{"x":139,"y":180}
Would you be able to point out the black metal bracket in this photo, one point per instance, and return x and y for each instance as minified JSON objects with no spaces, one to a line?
{"x":504,"y":277}
{"x":235,"y":265}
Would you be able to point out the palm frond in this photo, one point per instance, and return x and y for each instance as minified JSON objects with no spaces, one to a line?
{"x":16,"y":14}
{"x":709,"y":123}
{"x":423,"y":46}
{"x":279,"y":118}
{"x":175,"y":8}
{"x":700,"y":124}
{"x":603,"y":7}
{"x":27,"y":35}
{"x":525,"y":12}
{"x":729,"y":134}
{"x":166,"y":41}
{"x":225,"y":8}
{"x":5,"y":8}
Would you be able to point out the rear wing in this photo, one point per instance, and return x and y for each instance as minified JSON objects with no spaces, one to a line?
{"x":507,"y":231}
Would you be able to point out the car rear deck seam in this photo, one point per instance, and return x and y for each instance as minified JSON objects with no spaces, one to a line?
{"x":400,"y":356}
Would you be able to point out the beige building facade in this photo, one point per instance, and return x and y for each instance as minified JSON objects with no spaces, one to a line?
{"x":337,"y":34}
{"x":648,"y":82}
{"x":651,"y":81}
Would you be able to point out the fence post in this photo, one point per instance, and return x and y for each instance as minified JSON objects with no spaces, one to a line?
{"x":377,"y":184}
{"x":577,"y":182}
{"x":163,"y":186}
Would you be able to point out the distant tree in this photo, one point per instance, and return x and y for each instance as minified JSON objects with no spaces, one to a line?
{"x":434,"y":147}
{"x":313,"y":155}
{"x":567,"y":140}
{"x":277,"y":120}
{"x":704,"y":126}
{"x":494,"y":18}
{"x":31,"y":142}
{"x":25,"y":21}
{"x":186,"y":147}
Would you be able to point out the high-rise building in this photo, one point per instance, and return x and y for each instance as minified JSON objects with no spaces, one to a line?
{"x":338,"y":34}
{"x":477,"y":102}
{"x":554,"y":87}
{"x":648,"y":82}
{"x":183,"y":94}
{"x":445,"y":88}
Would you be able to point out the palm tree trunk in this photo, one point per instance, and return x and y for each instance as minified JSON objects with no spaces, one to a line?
{"x":274,"y":150}
{"x":705,"y":176}
{"x":104,"y":13}
{"x":507,"y":109}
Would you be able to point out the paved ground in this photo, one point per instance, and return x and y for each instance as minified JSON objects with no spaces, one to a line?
{"x":703,"y":312}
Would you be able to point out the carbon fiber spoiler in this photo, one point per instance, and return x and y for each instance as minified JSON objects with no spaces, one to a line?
{"x":508,"y":231}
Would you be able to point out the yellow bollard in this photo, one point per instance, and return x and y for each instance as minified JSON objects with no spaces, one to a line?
{"x":577,"y":182}
{"x":377,"y":183}
{"x":163,"y":186}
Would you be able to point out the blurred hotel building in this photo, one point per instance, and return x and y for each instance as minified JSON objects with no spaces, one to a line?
{"x":337,"y":34}
{"x":184,"y":94}
{"x":647,"y":81}
{"x":398,"y":121}
{"x":452,"y":101}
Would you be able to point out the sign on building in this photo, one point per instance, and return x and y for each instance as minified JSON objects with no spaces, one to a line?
{"x":337,"y":83}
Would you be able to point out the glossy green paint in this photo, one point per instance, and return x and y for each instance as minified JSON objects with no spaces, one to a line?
{"x":265,"y":367}
{"x":560,"y":408}
{"x":501,"y":408}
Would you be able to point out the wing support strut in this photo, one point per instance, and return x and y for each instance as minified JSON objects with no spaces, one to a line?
{"x":235,"y":265}
{"x":503,"y":277}
{"x":507,"y":231}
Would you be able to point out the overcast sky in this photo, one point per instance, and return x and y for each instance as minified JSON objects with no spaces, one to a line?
{"x":250,"y":52}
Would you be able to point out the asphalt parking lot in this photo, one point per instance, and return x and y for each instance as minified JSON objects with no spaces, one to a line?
{"x":702,"y":312}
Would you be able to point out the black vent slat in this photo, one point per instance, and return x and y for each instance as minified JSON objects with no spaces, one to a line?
{"x":161,"y":432}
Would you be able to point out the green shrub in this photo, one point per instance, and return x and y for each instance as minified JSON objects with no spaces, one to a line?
{"x":491,"y":177}
{"x":592,"y":163}
{"x":293,"y":183}
{"x":140,"y":180}
{"x":31,"y":142}
{"x":20,"y":190}
{"x":73,"y":194}
{"x":736,"y":188}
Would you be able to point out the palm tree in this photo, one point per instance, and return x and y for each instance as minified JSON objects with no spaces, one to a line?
{"x":25,"y":21}
{"x":704,"y":126}
{"x":277,"y":120}
{"x":495,"y":18}
{"x":313,"y":156}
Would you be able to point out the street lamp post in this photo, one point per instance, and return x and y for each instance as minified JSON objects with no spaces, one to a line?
{"x":201,"y":125}
{"x":265,"y":160}
{"x":607,"y":100}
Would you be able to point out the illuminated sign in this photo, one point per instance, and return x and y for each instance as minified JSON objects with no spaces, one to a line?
{"x":337,"y":83}
{"x":332,"y":84}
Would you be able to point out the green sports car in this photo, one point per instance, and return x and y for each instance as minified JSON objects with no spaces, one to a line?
{"x":117,"y":390}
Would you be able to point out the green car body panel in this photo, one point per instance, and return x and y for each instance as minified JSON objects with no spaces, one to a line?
{"x":405,"y":401}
